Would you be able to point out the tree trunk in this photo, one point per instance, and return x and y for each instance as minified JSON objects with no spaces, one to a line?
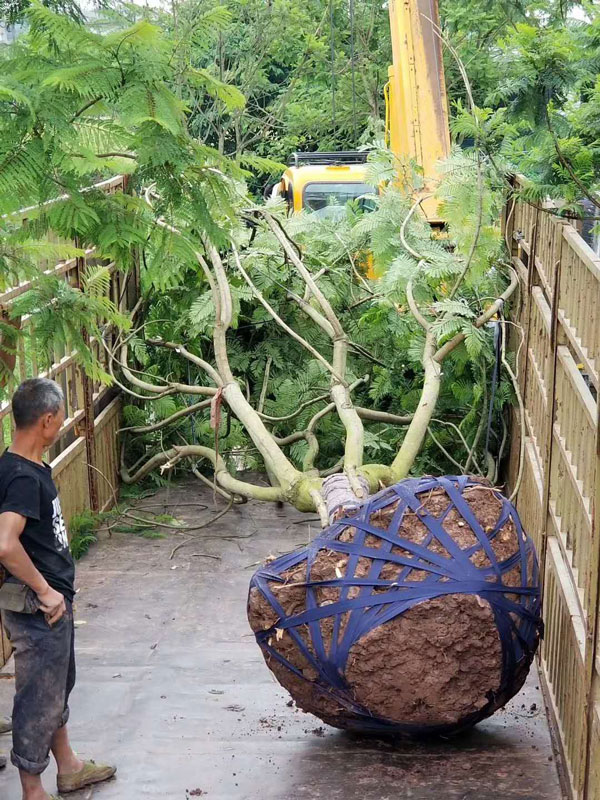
{"x":339,"y":496}
{"x":417,"y":430}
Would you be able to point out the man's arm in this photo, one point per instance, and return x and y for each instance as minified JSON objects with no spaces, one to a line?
{"x":18,"y":563}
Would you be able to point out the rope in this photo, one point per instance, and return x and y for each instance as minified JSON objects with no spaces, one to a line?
{"x":516,"y":609}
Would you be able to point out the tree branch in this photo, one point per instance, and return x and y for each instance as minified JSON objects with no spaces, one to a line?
{"x":414,"y":308}
{"x":295,"y":413}
{"x":311,"y":312}
{"x":354,"y":444}
{"x":567,"y":165}
{"x":84,"y":108}
{"x":515,"y":384}
{"x":475,"y":241}
{"x":420,"y":261}
{"x":183,"y":412}
{"x":169,"y":388}
{"x":181,"y":350}
{"x":463,"y":440}
{"x":291,"y":252}
{"x":417,"y":429}
{"x":372,"y":415}
{"x":447,"y":348}
{"x":259,"y":296}
{"x":309,"y":435}
{"x":169,"y":458}
{"x":265,"y":385}
{"x":443,"y":450}
{"x":275,"y":460}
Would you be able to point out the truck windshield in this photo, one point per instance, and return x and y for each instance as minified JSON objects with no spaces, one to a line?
{"x":329,"y":199}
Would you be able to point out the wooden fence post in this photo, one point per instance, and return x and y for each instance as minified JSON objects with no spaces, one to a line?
{"x":549,"y":432}
{"x":591,"y":645}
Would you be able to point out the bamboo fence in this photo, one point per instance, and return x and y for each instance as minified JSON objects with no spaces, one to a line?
{"x":85,"y":458}
{"x":559,"y":362}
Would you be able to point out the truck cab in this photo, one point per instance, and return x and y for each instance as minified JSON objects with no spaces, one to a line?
{"x":323,"y":183}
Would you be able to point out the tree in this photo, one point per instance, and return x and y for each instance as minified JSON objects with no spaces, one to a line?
{"x":311,"y":79}
{"x":13,"y":12}
{"x":422,"y":275}
{"x":534,"y":70}
{"x":76,"y":105}
{"x":118,"y":103}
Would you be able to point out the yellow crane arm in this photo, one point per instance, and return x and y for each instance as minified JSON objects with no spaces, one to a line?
{"x":418,"y":107}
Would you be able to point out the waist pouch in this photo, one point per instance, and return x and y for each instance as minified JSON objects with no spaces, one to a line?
{"x":15,"y":596}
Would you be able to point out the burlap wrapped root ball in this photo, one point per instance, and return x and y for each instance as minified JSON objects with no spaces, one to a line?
{"x":419,"y":613}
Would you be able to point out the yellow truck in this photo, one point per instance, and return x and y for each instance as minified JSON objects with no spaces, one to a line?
{"x":324,"y":182}
{"x":416,"y":122}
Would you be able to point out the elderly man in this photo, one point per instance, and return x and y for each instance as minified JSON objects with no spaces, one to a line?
{"x":34,"y":550}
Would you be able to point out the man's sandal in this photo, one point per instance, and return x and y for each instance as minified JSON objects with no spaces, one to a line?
{"x":89,"y":774}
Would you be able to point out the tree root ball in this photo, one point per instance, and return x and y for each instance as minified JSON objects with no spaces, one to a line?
{"x":418,"y":614}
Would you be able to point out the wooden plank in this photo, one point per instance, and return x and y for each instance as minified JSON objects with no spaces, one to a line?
{"x":583,"y":250}
{"x":557,"y":532}
{"x":561,"y":316}
{"x":10,"y":294}
{"x":576,"y":484}
{"x":589,"y":364}
{"x":575,"y":378}
{"x":109,"y":185}
{"x":592,"y":784}
{"x":107,"y":452}
{"x":521,"y":268}
{"x":563,"y":659}
{"x":62,"y":461}
{"x":544,"y":309}
{"x":529,"y":499}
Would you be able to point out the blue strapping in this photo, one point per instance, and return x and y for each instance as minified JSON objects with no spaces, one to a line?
{"x":518,"y":620}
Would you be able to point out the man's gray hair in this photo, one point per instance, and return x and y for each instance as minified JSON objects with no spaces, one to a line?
{"x":34,"y":398}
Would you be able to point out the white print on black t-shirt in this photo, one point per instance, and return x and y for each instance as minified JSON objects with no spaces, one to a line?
{"x":58,"y":525}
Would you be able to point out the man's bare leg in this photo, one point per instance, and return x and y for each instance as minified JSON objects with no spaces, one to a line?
{"x":66,"y":760}
{"x":32,"y":787}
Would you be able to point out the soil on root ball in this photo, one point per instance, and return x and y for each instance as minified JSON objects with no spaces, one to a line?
{"x":435,"y":665}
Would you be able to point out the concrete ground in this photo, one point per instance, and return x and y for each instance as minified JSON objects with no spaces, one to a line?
{"x":173,"y":688}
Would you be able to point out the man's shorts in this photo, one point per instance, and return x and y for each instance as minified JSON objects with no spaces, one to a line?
{"x":44,"y":678}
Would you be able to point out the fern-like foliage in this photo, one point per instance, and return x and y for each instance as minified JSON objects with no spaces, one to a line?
{"x":79,"y":103}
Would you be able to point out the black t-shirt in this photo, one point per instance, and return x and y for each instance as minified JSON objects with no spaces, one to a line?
{"x":27,"y":488}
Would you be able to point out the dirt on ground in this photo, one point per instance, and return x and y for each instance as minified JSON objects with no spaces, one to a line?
{"x":438,"y":664}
